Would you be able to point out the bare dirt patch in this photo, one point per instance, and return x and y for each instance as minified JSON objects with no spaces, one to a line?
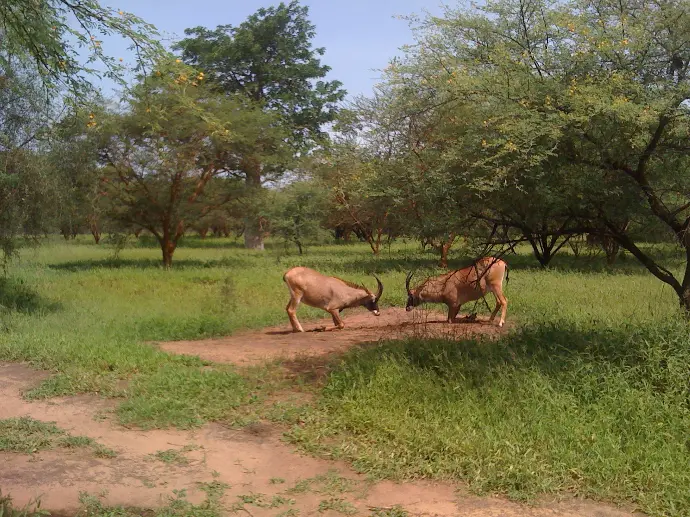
{"x":280,"y":343}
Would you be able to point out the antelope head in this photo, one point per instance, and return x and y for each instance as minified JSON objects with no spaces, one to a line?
{"x":372,"y":303}
{"x":412,"y":294}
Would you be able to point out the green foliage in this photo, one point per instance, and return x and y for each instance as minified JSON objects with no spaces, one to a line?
{"x":362,"y":192}
{"x":45,"y":34}
{"x":545,"y":120}
{"x":25,"y":185}
{"x":177,"y":138}
{"x":270,"y":59}
{"x":73,"y":165}
{"x":298,"y":212}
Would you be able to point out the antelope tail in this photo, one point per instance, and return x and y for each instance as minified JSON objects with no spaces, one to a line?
{"x":507,"y":273}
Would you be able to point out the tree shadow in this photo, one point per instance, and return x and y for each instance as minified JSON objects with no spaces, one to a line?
{"x":16,"y":296}
{"x":653,"y":356}
{"x":196,"y":242}
{"x":145,"y":263}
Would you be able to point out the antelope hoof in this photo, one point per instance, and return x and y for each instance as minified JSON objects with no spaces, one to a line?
{"x":500,"y":324}
{"x":377,"y":313}
{"x":297,"y":330}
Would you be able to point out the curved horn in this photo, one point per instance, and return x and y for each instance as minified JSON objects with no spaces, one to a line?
{"x":407,"y":281}
{"x":380,"y":291}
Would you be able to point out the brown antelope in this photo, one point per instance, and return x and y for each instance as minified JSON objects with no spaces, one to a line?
{"x":461,"y":286}
{"x":328,"y":293}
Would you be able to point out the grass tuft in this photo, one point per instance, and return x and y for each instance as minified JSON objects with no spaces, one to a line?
{"x":28,"y":436}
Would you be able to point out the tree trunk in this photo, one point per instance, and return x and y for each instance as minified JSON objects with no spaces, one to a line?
{"x":95,"y":231}
{"x":684,"y":298}
{"x":253,"y":235}
{"x":203,"y":232}
{"x":445,"y":248}
{"x":168,"y":248}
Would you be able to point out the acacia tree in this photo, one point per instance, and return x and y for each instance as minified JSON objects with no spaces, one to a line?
{"x":298,"y":212}
{"x":25,"y":113}
{"x":594,"y":92}
{"x":44,"y":33}
{"x":269,"y":59}
{"x":161,"y":155}
{"x":73,"y":157}
{"x":40,"y":66}
{"x":360,"y":193}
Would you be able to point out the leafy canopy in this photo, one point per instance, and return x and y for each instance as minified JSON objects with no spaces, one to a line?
{"x":269,"y":58}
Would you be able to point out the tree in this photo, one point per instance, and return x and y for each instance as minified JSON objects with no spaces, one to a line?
{"x":74,"y":164}
{"x":360,"y":193}
{"x":298,"y":212}
{"x":44,"y":34}
{"x":39,"y":69}
{"x":162,"y":154}
{"x":593,"y":92}
{"x":269,"y":58}
{"x":25,"y":114}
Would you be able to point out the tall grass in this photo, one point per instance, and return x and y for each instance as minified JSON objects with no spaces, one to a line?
{"x":590,"y":395}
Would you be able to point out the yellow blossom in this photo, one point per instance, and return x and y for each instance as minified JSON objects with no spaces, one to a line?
{"x":483,"y":143}
{"x":178,"y":61}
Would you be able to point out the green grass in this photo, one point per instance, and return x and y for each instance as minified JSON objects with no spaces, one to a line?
{"x":29,"y":436}
{"x":601,"y":413}
{"x":7,"y":508}
{"x":337,"y":505}
{"x":174,"y":456}
{"x":176,"y":505}
{"x":590,"y":396}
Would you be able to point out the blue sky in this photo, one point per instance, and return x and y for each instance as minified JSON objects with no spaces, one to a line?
{"x":359,"y":35}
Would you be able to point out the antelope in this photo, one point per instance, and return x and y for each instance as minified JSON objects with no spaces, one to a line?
{"x":461,"y":286}
{"x":329,"y":293}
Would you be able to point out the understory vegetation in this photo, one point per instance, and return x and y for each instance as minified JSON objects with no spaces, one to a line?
{"x":588,"y":394}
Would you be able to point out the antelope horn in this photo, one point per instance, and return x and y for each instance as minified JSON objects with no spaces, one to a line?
{"x":407,"y":281}
{"x":380,"y":291}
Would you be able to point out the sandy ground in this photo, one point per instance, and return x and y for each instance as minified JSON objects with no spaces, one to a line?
{"x":251,"y":460}
{"x":246,"y":348}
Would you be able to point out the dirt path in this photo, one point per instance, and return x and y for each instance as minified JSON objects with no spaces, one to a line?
{"x":253,"y":461}
{"x":254,"y":347}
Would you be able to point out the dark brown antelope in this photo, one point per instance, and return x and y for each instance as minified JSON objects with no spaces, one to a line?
{"x":461,"y":286}
{"x":329,"y":293}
